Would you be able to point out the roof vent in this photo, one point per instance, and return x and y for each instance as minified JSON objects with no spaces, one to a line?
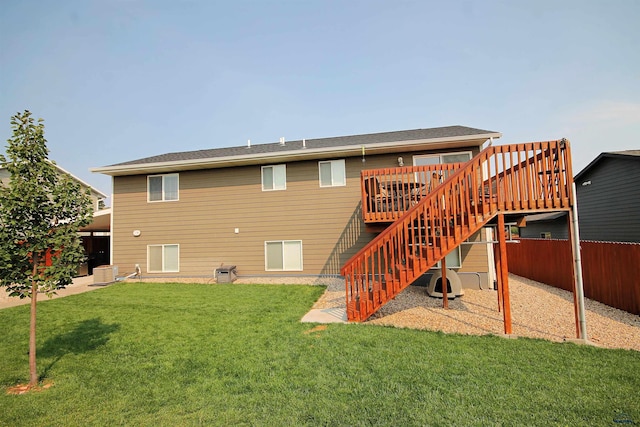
{"x":248,"y":143}
{"x":282,"y":140}
{"x":304,"y":143}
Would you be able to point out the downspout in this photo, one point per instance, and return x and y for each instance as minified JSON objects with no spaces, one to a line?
{"x":111,"y":233}
{"x":577,"y":266}
{"x":491,"y":262}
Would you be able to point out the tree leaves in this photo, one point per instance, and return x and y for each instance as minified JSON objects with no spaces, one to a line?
{"x":41,"y":211}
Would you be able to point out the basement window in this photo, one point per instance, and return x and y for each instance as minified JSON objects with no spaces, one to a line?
{"x":163,"y":258}
{"x":453,"y":259}
{"x":283,"y":255}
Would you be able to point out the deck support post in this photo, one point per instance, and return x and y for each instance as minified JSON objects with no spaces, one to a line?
{"x":504,"y":272}
{"x":496,"y":253}
{"x":445,"y":297}
{"x":578,"y":290}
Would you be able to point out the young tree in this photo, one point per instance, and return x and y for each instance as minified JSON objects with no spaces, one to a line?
{"x":41,"y":211}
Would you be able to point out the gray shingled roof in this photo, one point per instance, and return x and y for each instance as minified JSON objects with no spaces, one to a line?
{"x":608,"y":154}
{"x":319,"y":143}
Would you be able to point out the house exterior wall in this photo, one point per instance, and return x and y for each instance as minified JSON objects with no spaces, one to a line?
{"x":214,"y":203}
{"x":608,"y":195}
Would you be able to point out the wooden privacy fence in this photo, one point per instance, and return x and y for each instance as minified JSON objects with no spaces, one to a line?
{"x":610,"y":271}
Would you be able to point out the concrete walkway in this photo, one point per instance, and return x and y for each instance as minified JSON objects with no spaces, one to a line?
{"x":331,"y":306}
{"x":325,"y":315}
{"x":79,"y":285}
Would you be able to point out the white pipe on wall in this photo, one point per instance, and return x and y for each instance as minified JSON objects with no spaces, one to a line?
{"x":577,"y":266}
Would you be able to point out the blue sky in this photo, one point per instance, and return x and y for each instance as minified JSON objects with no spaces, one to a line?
{"x":117,"y":80}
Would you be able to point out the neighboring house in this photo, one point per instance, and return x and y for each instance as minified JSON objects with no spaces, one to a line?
{"x":95,"y":236}
{"x":293,"y":208}
{"x":97,"y":196}
{"x":551,"y":225}
{"x":608,"y":193}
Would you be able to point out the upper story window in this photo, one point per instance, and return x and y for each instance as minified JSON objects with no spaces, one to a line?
{"x":162,"y":188}
{"x":332,"y":173}
{"x":442,"y":158}
{"x":274,"y":177}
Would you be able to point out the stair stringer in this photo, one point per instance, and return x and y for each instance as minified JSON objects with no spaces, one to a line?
{"x":378,"y":289}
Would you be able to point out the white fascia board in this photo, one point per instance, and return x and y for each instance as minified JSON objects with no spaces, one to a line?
{"x":292,"y":155}
{"x":102,"y":212}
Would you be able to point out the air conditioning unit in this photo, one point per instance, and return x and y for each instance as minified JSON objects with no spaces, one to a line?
{"x":105,"y":274}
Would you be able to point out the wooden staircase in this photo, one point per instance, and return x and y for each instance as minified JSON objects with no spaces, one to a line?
{"x":507,"y":179}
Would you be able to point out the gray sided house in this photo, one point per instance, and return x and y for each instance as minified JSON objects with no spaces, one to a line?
{"x":289,"y":208}
{"x":608,"y":194}
{"x":549,"y":225}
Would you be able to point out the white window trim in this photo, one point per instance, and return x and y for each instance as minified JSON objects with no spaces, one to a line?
{"x":439,"y":264}
{"x":332,"y":162}
{"x":163,"y":188}
{"x":163,"y":269}
{"x":440,"y":155}
{"x":283,"y":257}
{"x":284,"y":166}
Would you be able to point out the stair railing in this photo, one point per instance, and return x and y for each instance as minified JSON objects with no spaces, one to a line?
{"x":509,"y":178}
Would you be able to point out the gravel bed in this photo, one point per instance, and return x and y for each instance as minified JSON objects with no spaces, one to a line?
{"x":537,"y":311}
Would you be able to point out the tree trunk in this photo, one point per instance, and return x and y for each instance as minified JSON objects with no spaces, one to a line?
{"x":33,"y":372}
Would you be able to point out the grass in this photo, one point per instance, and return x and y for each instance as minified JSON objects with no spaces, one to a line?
{"x":176,"y":354}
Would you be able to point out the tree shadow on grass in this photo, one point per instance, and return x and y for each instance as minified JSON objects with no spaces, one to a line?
{"x":87,"y":335}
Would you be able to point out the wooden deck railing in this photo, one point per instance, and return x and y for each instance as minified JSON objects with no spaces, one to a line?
{"x":510,"y":178}
{"x":388,"y":193}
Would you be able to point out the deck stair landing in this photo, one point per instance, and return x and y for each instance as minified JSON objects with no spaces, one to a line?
{"x":506,"y":179}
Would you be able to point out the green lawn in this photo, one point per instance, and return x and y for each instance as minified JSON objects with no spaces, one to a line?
{"x":175,"y":354}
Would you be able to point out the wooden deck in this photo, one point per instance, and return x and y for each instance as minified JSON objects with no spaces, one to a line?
{"x":433,"y":209}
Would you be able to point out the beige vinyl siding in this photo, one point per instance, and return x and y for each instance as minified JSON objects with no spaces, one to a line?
{"x":214,"y":202}
{"x":474,"y":257}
